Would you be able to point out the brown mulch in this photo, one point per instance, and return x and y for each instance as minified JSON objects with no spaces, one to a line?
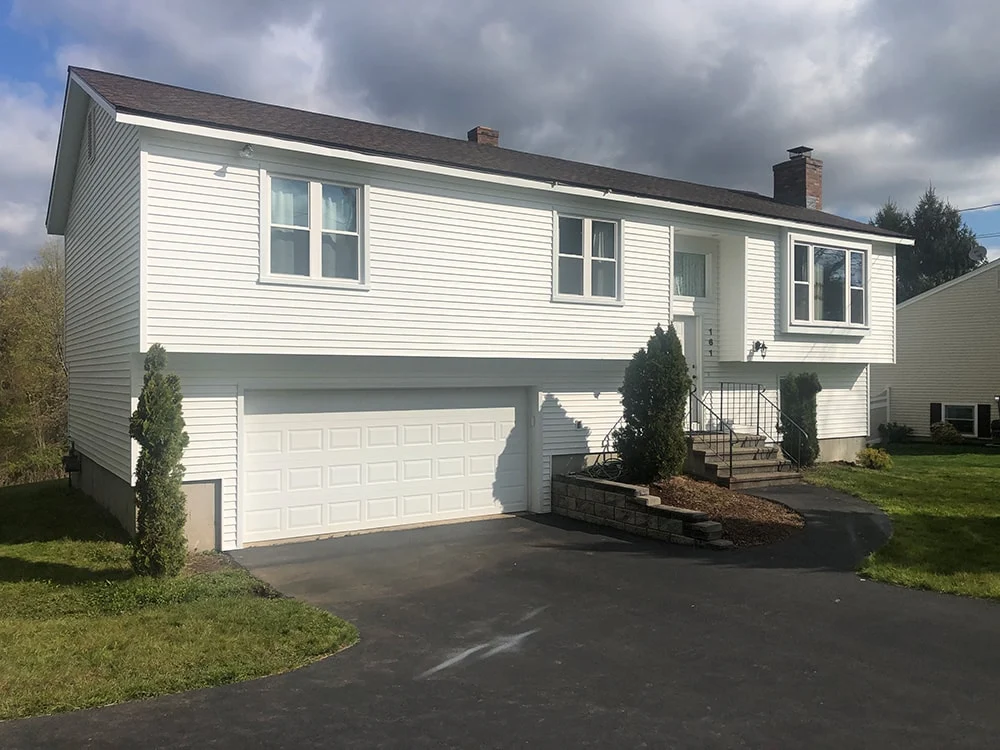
{"x":746,"y":520}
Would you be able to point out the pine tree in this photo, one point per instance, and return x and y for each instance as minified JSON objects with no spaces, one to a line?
{"x":651,"y":442}
{"x":943,"y":243}
{"x":798,"y":407}
{"x":159,"y":548}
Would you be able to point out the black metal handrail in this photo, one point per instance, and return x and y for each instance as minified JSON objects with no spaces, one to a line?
{"x":719,"y":441}
{"x":607,"y":465}
{"x":783,"y":420}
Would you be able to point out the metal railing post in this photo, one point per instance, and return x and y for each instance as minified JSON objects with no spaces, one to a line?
{"x":758,"y":410}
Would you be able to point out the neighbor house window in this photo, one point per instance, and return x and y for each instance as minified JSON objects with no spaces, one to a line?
{"x":587,"y":258}
{"x":690,"y":274}
{"x":828,"y":284}
{"x":315,"y":230}
{"x":962,"y":417}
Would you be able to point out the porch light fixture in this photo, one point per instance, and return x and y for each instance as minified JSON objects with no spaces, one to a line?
{"x":760,"y":346}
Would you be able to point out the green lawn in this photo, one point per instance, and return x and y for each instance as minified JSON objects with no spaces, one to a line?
{"x":77,"y":629}
{"x":944,"y":502}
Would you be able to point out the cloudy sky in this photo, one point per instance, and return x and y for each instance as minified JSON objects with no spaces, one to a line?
{"x":892,"y":94}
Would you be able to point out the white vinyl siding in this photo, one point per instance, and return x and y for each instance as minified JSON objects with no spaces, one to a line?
{"x":766,"y":307}
{"x":210,"y":416}
{"x":947,"y":351}
{"x":102,"y":292}
{"x":456,"y":268}
{"x":841,"y":407}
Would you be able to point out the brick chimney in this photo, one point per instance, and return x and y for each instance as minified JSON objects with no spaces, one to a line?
{"x":484,"y":136}
{"x":799,"y":181}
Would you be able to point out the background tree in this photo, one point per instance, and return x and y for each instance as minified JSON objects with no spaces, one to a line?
{"x":651,"y":442}
{"x":943,"y":244}
{"x":33,"y":379}
{"x":159,"y":548}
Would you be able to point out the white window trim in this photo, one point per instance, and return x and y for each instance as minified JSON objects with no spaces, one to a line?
{"x":709,"y":290}
{"x":586,"y":298}
{"x":824,"y":327}
{"x":975,"y":417}
{"x":315,"y":232}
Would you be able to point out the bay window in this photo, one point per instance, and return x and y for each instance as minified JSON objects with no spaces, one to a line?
{"x":314,"y":232}
{"x":587,"y":259}
{"x":829,"y":285}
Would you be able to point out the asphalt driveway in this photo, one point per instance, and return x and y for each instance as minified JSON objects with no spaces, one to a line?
{"x":522,"y":632}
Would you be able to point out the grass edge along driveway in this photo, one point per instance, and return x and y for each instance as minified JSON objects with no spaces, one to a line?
{"x":78,"y":629}
{"x":944,"y":502}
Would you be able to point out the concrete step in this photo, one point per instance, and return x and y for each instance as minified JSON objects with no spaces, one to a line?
{"x":721,"y":438}
{"x":705,"y":530}
{"x":749,"y":467}
{"x":753,"y":481}
{"x":743,"y":452}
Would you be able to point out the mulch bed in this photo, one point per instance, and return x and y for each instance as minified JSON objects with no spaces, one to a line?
{"x":746,"y":520}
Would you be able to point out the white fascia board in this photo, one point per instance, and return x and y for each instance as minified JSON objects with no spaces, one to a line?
{"x":471,"y":174}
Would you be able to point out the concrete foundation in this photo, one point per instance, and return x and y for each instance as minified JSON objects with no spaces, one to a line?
{"x":110,"y":491}
{"x":203,"y":525}
{"x":841,"y":449}
{"x":572,"y":463}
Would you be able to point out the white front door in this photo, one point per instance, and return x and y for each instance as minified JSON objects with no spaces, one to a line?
{"x":320,"y":462}
{"x":688,"y":329}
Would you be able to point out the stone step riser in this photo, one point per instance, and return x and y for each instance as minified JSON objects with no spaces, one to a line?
{"x":763,"y":467}
{"x":738,"y":483}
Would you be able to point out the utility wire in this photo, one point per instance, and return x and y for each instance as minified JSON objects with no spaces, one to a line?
{"x":979,"y":208}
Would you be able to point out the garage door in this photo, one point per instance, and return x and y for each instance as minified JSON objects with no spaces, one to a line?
{"x":318,"y":462}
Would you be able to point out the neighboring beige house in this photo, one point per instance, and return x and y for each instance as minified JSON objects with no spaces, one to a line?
{"x":947,"y":358}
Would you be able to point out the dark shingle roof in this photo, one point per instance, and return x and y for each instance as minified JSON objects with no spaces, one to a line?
{"x":162,"y":101}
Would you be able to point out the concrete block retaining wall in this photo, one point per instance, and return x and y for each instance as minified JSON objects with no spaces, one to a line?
{"x":630,"y":508}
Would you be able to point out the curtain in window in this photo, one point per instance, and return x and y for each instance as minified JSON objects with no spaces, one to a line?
{"x":289,"y":202}
{"x":340,"y":210}
{"x":689,"y":274}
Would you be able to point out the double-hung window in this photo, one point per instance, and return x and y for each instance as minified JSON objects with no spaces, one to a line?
{"x":587,"y":259}
{"x":962,"y":417}
{"x":314,"y":232}
{"x":829,"y":285}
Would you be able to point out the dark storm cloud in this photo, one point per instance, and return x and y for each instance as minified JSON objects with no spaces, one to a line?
{"x":892,"y":94}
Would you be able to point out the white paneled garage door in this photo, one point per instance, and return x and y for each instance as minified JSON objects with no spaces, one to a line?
{"x":319,"y":462}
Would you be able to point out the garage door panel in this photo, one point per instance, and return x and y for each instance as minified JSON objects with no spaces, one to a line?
{"x":380,"y":458}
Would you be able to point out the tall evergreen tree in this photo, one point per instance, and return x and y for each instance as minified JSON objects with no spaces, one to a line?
{"x":159,"y":548}
{"x":943,"y":244}
{"x":651,"y":442}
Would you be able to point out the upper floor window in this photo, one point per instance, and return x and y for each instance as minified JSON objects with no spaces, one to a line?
{"x":690,"y":274}
{"x":829,"y":284}
{"x":315,"y":231}
{"x":587,"y":259}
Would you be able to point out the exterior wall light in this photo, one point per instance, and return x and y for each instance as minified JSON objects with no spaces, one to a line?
{"x":760,"y":346}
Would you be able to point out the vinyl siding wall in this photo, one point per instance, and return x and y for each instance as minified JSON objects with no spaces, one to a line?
{"x":841,"y":407}
{"x":947,"y":351}
{"x":102,"y":293}
{"x":766,"y":309}
{"x":456,"y":268}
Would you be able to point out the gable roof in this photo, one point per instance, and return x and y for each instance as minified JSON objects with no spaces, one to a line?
{"x":173,"y":103}
{"x":991,"y":266}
